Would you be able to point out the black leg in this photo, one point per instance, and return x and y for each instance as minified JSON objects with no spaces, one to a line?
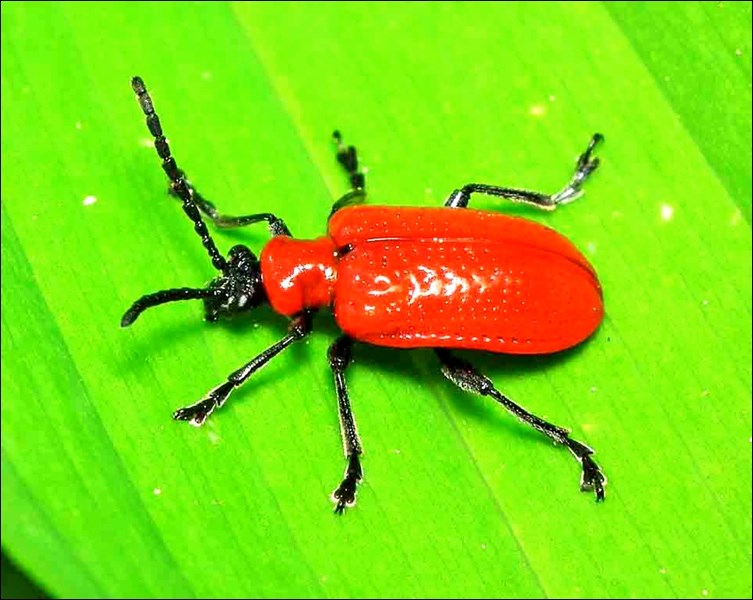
{"x":339,"y":359}
{"x":465,"y":376}
{"x":276,"y":224}
{"x":197,"y":413}
{"x":177,"y":179}
{"x":585,"y":166}
{"x":347,"y":156}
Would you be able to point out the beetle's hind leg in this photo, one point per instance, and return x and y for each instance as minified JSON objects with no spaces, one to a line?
{"x":585,"y":165}
{"x":347,"y":156}
{"x":339,"y":359}
{"x":467,"y":378}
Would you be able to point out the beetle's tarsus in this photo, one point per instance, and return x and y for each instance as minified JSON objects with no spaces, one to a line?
{"x":587,"y":164}
{"x":197,"y":413}
{"x":585,"y":158}
{"x":345,"y":494}
{"x":592,"y":478}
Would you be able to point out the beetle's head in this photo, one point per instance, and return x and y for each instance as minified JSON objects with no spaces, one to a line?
{"x":237,"y":290}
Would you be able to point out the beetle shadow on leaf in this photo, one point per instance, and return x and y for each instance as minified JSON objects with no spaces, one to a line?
{"x":180,"y":332}
{"x":419,"y":365}
{"x":423,"y":367}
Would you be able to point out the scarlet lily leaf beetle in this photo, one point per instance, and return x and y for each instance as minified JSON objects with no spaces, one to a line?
{"x":445,"y":278}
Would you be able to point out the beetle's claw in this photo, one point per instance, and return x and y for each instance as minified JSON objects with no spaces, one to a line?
{"x":585,"y":159}
{"x":592,"y":478}
{"x":345,"y":495}
{"x":197,"y":413}
{"x":587,"y":164}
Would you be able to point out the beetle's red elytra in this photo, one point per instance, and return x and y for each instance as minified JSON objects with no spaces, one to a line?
{"x":445,"y":278}
{"x":426,"y":277}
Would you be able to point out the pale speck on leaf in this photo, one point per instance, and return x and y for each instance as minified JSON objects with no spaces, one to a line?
{"x":537,"y":110}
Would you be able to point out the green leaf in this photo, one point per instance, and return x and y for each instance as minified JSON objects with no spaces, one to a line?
{"x":105,"y":496}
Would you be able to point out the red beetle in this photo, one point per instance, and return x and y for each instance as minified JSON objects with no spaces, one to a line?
{"x":403,"y":277}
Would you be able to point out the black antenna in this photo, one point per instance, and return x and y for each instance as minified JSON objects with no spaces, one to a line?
{"x":176,"y":176}
{"x":158,"y":298}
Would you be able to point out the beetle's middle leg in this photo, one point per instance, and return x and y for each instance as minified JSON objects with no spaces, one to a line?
{"x":347,"y":156}
{"x":586,"y":164}
{"x":467,"y":378}
{"x":339,"y":359}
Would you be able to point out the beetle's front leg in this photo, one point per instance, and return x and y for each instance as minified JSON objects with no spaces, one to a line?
{"x":339,"y":359}
{"x":197,"y":413}
{"x":276,"y":224}
{"x":467,"y":378}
